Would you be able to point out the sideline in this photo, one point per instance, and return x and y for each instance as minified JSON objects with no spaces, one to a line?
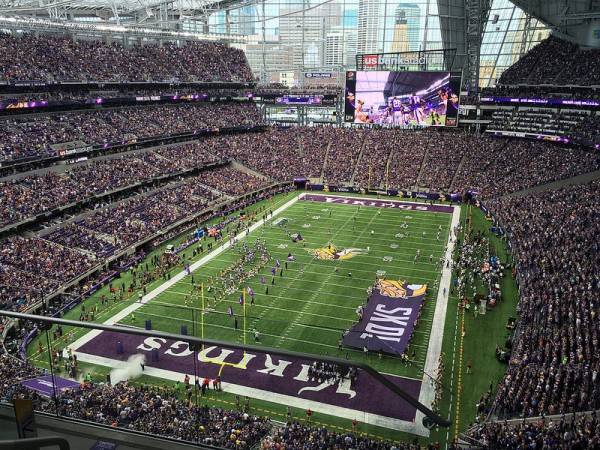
{"x":296,"y":402}
{"x":175,"y":279}
{"x":427,"y":393}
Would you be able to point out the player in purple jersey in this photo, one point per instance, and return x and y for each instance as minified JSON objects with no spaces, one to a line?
{"x":397,"y":108}
{"x":416,"y":106}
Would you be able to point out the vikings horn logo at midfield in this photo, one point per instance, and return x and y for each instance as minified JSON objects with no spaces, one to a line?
{"x":396,"y":288}
{"x":332,"y":252}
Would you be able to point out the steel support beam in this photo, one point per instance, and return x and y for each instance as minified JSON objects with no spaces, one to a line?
{"x":527,"y":35}
{"x":46,"y":322}
{"x":477,"y":13}
{"x":453,"y":31}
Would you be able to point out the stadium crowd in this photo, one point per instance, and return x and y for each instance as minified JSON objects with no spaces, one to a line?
{"x":32,"y":267}
{"x":153,"y":410}
{"x":161,"y":411}
{"x":34,"y":194}
{"x":510,"y":165}
{"x":136,"y":218}
{"x":554,"y":365}
{"x":588,"y":129}
{"x":553,"y":69}
{"x":317,"y":152}
{"x":233,"y":182}
{"x":469,"y":162}
{"x":279,"y":154}
{"x":49,"y":58}
{"x":444,"y":154}
{"x":505,"y":166}
{"x":40,"y":258}
{"x":26,"y":137}
{"x":564,"y":123}
{"x":406,"y":160}
{"x":370,"y":170}
{"x":342,"y":155}
{"x":544,"y":92}
{"x":573,"y":432}
{"x":296,"y":435}
{"x":555,"y":61}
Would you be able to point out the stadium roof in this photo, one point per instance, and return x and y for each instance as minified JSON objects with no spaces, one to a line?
{"x":486,"y":35}
{"x":561,"y":15}
{"x":147,"y":14}
{"x":105,"y":9}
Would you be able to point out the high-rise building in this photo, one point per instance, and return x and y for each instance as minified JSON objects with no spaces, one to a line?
{"x":246,"y":19}
{"x":268,"y":59}
{"x":412,"y":16}
{"x":400,"y":42}
{"x":379,"y":25}
{"x":340,"y":48}
{"x":350,"y":18}
{"x":368,"y":26}
{"x":306,"y":32}
{"x":488,"y":71}
{"x":238,"y":21}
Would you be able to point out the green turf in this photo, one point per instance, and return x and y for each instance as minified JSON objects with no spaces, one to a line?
{"x":311,"y":304}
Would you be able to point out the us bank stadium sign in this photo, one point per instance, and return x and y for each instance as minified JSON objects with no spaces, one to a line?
{"x":401,"y":61}
{"x":73,"y":151}
{"x":376,"y":60}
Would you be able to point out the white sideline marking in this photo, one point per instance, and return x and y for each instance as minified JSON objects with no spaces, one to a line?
{"x":180,"y":276}
{"x":427,"y":393}
{"x":347,"y":413}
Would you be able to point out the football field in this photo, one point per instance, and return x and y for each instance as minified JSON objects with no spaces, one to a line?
{"x":298,"y":280}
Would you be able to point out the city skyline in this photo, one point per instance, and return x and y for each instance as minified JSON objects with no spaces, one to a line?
{"x":333,"y":32}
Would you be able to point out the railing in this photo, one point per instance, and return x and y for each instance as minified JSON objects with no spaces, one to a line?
{"x":199,"y":342}
{"x":35,"y":443}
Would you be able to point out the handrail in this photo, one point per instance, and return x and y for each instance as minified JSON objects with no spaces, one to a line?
{"x":35,"y":443}
{"x":198,"y":342}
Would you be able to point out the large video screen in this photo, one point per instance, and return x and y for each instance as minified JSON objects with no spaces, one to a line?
{"x":402,"y":98}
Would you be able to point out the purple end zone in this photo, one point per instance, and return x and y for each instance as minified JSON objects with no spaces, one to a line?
{"x":265,"y":372}
{"x":43,"y":385}
{"x":357,"y":201}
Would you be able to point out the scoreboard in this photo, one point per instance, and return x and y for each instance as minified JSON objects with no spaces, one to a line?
{"x":301,"y":100}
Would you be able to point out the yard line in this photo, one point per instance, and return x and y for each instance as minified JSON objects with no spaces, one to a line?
{"x":317,"y":292}
{"x":258,"y":306}
{"x":278,"y":297}
{"x":180,"y":276}
{"x":228,"y":327}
